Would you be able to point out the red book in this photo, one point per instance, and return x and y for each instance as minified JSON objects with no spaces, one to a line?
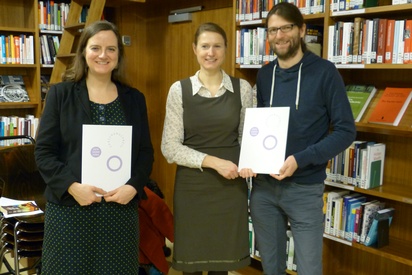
{"x":391,"y":106}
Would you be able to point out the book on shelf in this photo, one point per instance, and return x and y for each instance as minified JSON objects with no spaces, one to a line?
{"x":13,"y":89}
{"x":378,"y":234}
{"x":290,"y":250}
{"x":345,"y":211}
{"x":329,"y":218}
{"x":363,"y":166}
{"x":370,"y":208}
{"x":382,"y":32}
{"x":390,"y":26}
{"x":351,"y":207}
{"x":336,"y":227}
{"x":357,"y":41}
{"x":376,"y":162}
{"x":252,"y":240}
{"x":314,"y":34}
{"x":391,"y":106}
{"x":357,"y":162}
{"x":359,"y":220}
{"x":359,"y":98}
{"x":44,"y":85}
{"x":407,"y":42}
{"x":13,"y":208}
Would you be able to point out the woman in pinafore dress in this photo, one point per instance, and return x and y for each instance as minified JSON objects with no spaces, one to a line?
{"x":89,"y":230}
{"x":202,"y":129}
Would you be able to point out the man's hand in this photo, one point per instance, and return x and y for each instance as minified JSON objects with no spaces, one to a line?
{"x":288,"y":168}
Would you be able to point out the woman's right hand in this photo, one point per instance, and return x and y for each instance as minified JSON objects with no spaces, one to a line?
{"x":85,"y":194}
{"x":225,"y":168}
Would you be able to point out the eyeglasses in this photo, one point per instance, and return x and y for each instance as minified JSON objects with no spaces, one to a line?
{"x":284,"y":29}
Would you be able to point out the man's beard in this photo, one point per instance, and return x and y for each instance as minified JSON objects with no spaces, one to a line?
{"x":291,"y":52}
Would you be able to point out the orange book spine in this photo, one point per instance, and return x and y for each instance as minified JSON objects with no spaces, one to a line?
{"x":407,"y":42}
{"x":8,"y":56}
{"x":17,"y":49}
{"x":270,"y":4}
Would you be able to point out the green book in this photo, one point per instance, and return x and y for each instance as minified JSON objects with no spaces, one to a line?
{"x":359,"y":98}
{"x":376,"y":165}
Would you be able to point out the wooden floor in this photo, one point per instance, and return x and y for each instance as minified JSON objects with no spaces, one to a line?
{"x":247,"y":271}
{"x":23,"y":263}
{"x":254,"y":269}
{"x":244,"y":271}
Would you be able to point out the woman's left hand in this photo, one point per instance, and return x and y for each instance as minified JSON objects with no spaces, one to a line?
{"x":246,"y":173}
{"x":122,"y":195}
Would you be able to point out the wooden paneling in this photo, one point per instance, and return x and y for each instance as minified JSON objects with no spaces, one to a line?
{"x":160,"y":54}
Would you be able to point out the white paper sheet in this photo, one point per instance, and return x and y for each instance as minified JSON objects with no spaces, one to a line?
{"x":264,"y":139}
{"x":106,"y":155}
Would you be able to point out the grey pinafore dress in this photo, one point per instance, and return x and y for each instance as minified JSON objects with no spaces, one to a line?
{"x":210,"y":212}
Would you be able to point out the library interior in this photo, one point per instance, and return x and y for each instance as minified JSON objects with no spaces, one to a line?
{"x":368,"y":186}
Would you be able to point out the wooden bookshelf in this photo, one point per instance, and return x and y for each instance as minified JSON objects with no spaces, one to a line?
{"x":342,"y":257}
{"x":21,"y":17}
{"x":12,"y":23}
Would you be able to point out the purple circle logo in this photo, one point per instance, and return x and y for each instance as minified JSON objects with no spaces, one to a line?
{"x":114,"y":163}
{"x":254,"y":131}
{"x":96,"y":152}
{"x":270,"y":142}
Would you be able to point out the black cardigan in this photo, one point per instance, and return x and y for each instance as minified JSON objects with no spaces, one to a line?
{"x":59,"y":139}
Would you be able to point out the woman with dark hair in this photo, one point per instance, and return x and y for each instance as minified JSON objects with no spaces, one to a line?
{"x":201,"y":134}
{"x":89,"y":230}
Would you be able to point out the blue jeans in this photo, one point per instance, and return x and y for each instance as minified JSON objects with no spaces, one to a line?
{"x":272,"y":204}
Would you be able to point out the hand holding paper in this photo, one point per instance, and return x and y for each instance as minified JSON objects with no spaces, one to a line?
{"x":264,"y":139}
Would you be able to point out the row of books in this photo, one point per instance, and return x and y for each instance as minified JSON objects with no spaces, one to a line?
{"x":390,"y":108}
{"x":252,"y":46}
{"x":355,"y":218}
{"x":369,"y":41}
{"x":248,"y":10}
{"x":346,"y":5}
{"x":49,"y":47}
{"x":16,"y":49}
{"x":15,"y":125}
{"x":361,"y":165}
{"x":53,"y":15}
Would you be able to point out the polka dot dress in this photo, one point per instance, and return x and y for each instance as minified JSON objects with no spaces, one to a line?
{"x":100,"y":239}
